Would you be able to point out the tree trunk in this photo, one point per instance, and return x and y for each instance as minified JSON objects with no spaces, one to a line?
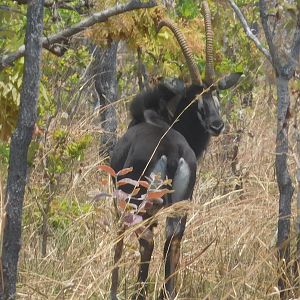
{"x":283,"y":180}
{"x":17,"y":172}
{"x":107,"y":88}
{"x":297,"y":225}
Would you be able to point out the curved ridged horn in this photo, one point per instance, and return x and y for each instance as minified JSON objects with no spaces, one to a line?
{"x":209,"y":68}
{"x":194,"y":71}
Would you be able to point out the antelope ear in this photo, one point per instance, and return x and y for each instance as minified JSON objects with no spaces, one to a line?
{"x":173,"y":85}
{"x":229,"y":80}
{"x":175,"y":90}
{"x":172,"y":105}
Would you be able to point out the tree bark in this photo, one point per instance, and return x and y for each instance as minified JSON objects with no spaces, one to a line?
{"x":284,"y":64}
{"x":284,"y":181}
{"x":107,"y":89}
{"x":17,"y":172}
{"x":297,"y":225}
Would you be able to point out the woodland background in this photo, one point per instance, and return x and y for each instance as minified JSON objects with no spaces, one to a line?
{"x":87,"y":81}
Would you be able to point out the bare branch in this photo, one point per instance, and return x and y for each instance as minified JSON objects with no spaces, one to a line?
{"x":248,"y":31}
{"x":103,"y":16}
{"x":10,"y":9}
{"x":264,"y":20}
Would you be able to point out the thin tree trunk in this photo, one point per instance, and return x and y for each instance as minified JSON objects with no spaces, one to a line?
{"x":297,"y":225}
{"x":284,"y":63}
{"x":284,"y":181}
{"x":17,"y":172}
{"x":141,"y":72}
{"x":107,"y":88}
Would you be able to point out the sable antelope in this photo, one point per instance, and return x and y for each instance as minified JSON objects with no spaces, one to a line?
{"x":177,"y":152}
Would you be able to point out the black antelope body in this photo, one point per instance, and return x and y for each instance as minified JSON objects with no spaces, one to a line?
{"x":176,"y":156}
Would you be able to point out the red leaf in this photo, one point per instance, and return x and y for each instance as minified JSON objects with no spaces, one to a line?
{"x":144,"y":184}
{"x":124,"y":171}
{"x":108,"y":170}
{"x":157,"y":194}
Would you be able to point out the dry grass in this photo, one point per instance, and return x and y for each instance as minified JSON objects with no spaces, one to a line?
{"x":228,"y":249}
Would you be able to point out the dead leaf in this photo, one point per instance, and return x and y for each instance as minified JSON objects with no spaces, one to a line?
{"x":158,"y":194}
{"x":144,"y":184}
{"x":124,"y":171}
{"x":108,"y":170}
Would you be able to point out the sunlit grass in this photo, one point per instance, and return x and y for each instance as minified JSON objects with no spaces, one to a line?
{"x":228,"y":250}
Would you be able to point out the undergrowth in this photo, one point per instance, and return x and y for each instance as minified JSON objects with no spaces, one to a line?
{"x":228,"y":250}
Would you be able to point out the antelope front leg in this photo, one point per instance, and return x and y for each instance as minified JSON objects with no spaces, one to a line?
{"x":146,"y":248}
{"x":174,"y":232}
{"x":115,"y":271}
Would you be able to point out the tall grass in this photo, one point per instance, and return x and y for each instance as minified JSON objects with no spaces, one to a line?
{"x":228,"y":250}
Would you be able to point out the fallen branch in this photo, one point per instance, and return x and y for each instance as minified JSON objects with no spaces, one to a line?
{"x":7,"y":60}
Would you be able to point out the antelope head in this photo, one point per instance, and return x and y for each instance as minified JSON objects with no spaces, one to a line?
{"x":206,"y":92}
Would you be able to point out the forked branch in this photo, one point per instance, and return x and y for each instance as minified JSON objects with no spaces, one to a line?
{"x":248,"y":31}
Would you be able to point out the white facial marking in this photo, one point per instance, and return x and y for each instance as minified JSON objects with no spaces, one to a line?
{"x":200,"y":107}
{"x":200,"y":103}
{"x":216,"y":99}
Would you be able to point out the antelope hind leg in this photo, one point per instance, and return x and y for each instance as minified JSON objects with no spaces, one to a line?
{"x":174,"y":232}
{"x":175,"y":227}
{"x":146,"y":241}
{"x":115,"y":271}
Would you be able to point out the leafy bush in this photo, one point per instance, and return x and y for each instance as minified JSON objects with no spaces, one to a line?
{"x":4,"y":152}
{"x":64,"y":211}
{"x":145,"y":195}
